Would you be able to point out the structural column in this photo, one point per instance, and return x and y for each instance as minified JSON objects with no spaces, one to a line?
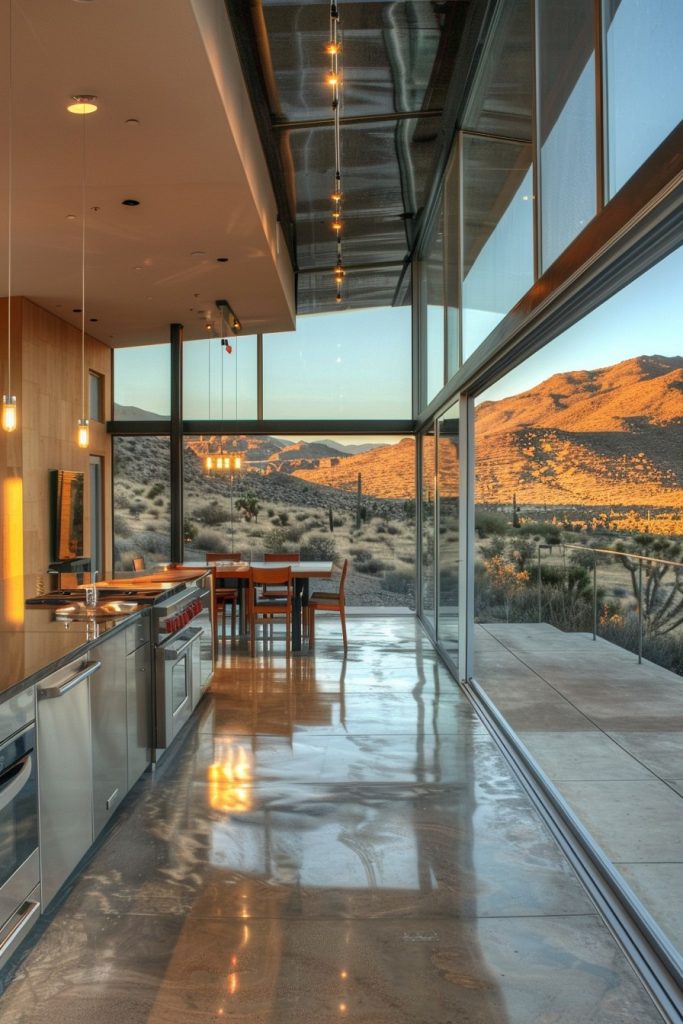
{"x":177,"y":539}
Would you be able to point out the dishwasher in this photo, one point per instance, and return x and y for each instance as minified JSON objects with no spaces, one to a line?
{"x":65,"y":773}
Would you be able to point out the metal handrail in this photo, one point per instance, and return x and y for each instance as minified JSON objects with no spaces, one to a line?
{"x":619,"y":554}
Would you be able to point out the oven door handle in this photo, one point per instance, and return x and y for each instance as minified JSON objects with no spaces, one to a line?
{"x":11,"y":789}
{"x":88,"y":670}
{"x":177,"y":652}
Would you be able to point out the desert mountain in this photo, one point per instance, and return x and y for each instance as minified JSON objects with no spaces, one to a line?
{"x":612,"y":436}
{"x":386,"y":472}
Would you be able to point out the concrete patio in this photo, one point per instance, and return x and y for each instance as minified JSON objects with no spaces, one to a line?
{"x":608,"y":733}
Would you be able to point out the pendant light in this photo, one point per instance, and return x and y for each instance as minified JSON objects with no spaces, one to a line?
{"x":9,"y":401}
{"x":83,"y":105}
{"x":334,"y":79}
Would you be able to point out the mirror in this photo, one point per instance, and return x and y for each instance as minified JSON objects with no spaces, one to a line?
{"x":67,"y":514}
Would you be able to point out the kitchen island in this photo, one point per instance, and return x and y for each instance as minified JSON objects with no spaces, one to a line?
{"x":89,"y":698}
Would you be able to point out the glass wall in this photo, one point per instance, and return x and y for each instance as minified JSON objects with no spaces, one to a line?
{"x":219,"y":384}
{"x":324,"y":498}
{"x":142,"y":382}
{"x":567,"y":122}
{"x":448,"y":550}
{"x":351,"y":365}
{"x":498,"y":233}
{"x":142,"y":473}
{"x":428,"y":539}
{"x":643,"y":80}
{"x":452,"y":264}
{"x":579,"y":527}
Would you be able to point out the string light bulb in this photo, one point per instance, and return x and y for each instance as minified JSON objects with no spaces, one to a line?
{"x":334,"y":79}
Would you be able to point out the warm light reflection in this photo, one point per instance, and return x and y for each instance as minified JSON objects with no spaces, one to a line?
{"x":343,"y":1007}
{"x":229,"y":780}
{"x":13,"y":550}
{"x":233,"y":983}
{"x":343,"y":974}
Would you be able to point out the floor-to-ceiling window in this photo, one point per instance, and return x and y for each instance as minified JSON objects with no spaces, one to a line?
{"x":428,"y":569}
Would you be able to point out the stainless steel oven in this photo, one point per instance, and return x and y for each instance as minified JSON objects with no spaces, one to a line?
{"x":180,"y":627}
{"x":19,"y":858}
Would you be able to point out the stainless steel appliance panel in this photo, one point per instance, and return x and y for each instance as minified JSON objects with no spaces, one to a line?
{"x":18,"y":820}
{"x":109,"y":730}
{"x":65,"y":773}
{"x":26,"y":916}
{"x":139,"y":711}
{"x":17,"y":712}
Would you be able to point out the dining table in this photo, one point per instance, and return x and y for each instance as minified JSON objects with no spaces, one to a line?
{"x":227,"y":574}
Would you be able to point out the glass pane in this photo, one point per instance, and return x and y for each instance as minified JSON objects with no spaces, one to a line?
{"x":498,"y":234}
{"x":142,"y":382}
{"x":428,"y":546}
{"x":301,"y":494}
{"x":644,"y":75}
{"x":355,"y":364}
{"x":449,"y":528}
{"x":579,"y":448}
{"x":142,"y":490}
{"x":218,"y":384}
{"x":433,"y":297}
{"x":501,"y":101}
{"x":567,"y":94}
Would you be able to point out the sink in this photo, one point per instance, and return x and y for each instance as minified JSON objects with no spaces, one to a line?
{"x":78,"y":611}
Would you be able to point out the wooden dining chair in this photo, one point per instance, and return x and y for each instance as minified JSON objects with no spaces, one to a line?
{"x":328,"y":601}
{"x":265,"y":605}
{"x":138,"y":564}
{"x":280,"y":556}
{"x":224,"y":596}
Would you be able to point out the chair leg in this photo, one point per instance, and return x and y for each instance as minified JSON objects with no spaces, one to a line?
{"x":233,"y":620}
{"x":311,"y":625}
{"x":342,"y":615}
{"x":223,"y":620}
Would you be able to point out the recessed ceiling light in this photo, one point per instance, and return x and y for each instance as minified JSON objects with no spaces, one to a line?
{"x":94,"y":320}
{"x":76,"y":310}
{"x":71,"y":216}
{"x":82,"y":105}
{"x":198,"y":252}
{"x":132,"y":122}
{"x":221,"y":259}
{"x":130,"y":202}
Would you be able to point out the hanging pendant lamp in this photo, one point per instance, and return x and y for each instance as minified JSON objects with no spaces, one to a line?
{"x":83,"y":105}
{"x":9,"y":401}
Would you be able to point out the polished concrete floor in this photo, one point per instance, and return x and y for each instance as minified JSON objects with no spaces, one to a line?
{"x":333,"y":840}
{"x":608,"y":733}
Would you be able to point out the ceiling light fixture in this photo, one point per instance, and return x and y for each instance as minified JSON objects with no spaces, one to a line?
{"x":83,"y":432}
{"x":334,"y":78}
{"x":9,"y":401}
{"x":82,"y":105}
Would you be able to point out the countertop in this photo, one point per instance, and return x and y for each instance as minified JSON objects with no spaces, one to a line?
{"x":34,"y":642}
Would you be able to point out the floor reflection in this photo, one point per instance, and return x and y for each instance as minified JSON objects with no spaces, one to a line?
{"x":334,"y":839}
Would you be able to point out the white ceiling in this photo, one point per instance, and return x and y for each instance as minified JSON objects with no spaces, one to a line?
{"x":193,"y":162}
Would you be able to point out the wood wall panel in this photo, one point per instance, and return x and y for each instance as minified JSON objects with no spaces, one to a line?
{"x":46,"y":353}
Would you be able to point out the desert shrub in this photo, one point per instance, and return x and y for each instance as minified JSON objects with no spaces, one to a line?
{"x":211,"y":514}
{"x":495,"y":546}
{"x":548,"y":531}
{"x":270,"y":512}
{"x":282,"y":518}
{"x":399,"y":581}
{"x":380,"y":528}
{"x":154,"y":513}
{"x":393,"y":530}
{"x":122,"y":527}
{"x":209,"y":540}
{"x":283,"y":537}
{"x":488,"y":523}
{"x":360,"y":554}
{"x":137,"y":506}
{"x":159,"y":502}
{"x":622,"y":629}
{"x":150,"y":542}
{"x":155,"y":490}
{"x":301,"y":517}
{"x":319,"y":547}
{"x":371,"y":566}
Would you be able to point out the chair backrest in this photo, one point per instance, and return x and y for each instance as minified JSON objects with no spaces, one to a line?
{"x":138,"y":563}
{"x":282,"y":556}
{"x":277,"y":576}
{"x":223,"y":556}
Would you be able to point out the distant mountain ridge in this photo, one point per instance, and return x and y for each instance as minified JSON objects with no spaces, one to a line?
{"x":612,"y":436}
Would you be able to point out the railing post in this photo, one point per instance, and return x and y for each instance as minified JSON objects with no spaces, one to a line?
{"x":595,"y":595}
{"x":640,"y":612}
{"x":539,"y":583}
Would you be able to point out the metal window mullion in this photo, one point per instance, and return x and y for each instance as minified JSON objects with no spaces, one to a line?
{"x":418,"y":525}
{"x":437,"y":516}
{"x":176,"y":442}
{"x":466,"y":531}
{"x":460,"y":222}
{"x":601,"y":120}
{"x":259,"y":377}
{"x":536,"y":140}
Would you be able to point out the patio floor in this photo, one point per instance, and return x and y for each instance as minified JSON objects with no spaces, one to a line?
{"x":608,"y":732}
